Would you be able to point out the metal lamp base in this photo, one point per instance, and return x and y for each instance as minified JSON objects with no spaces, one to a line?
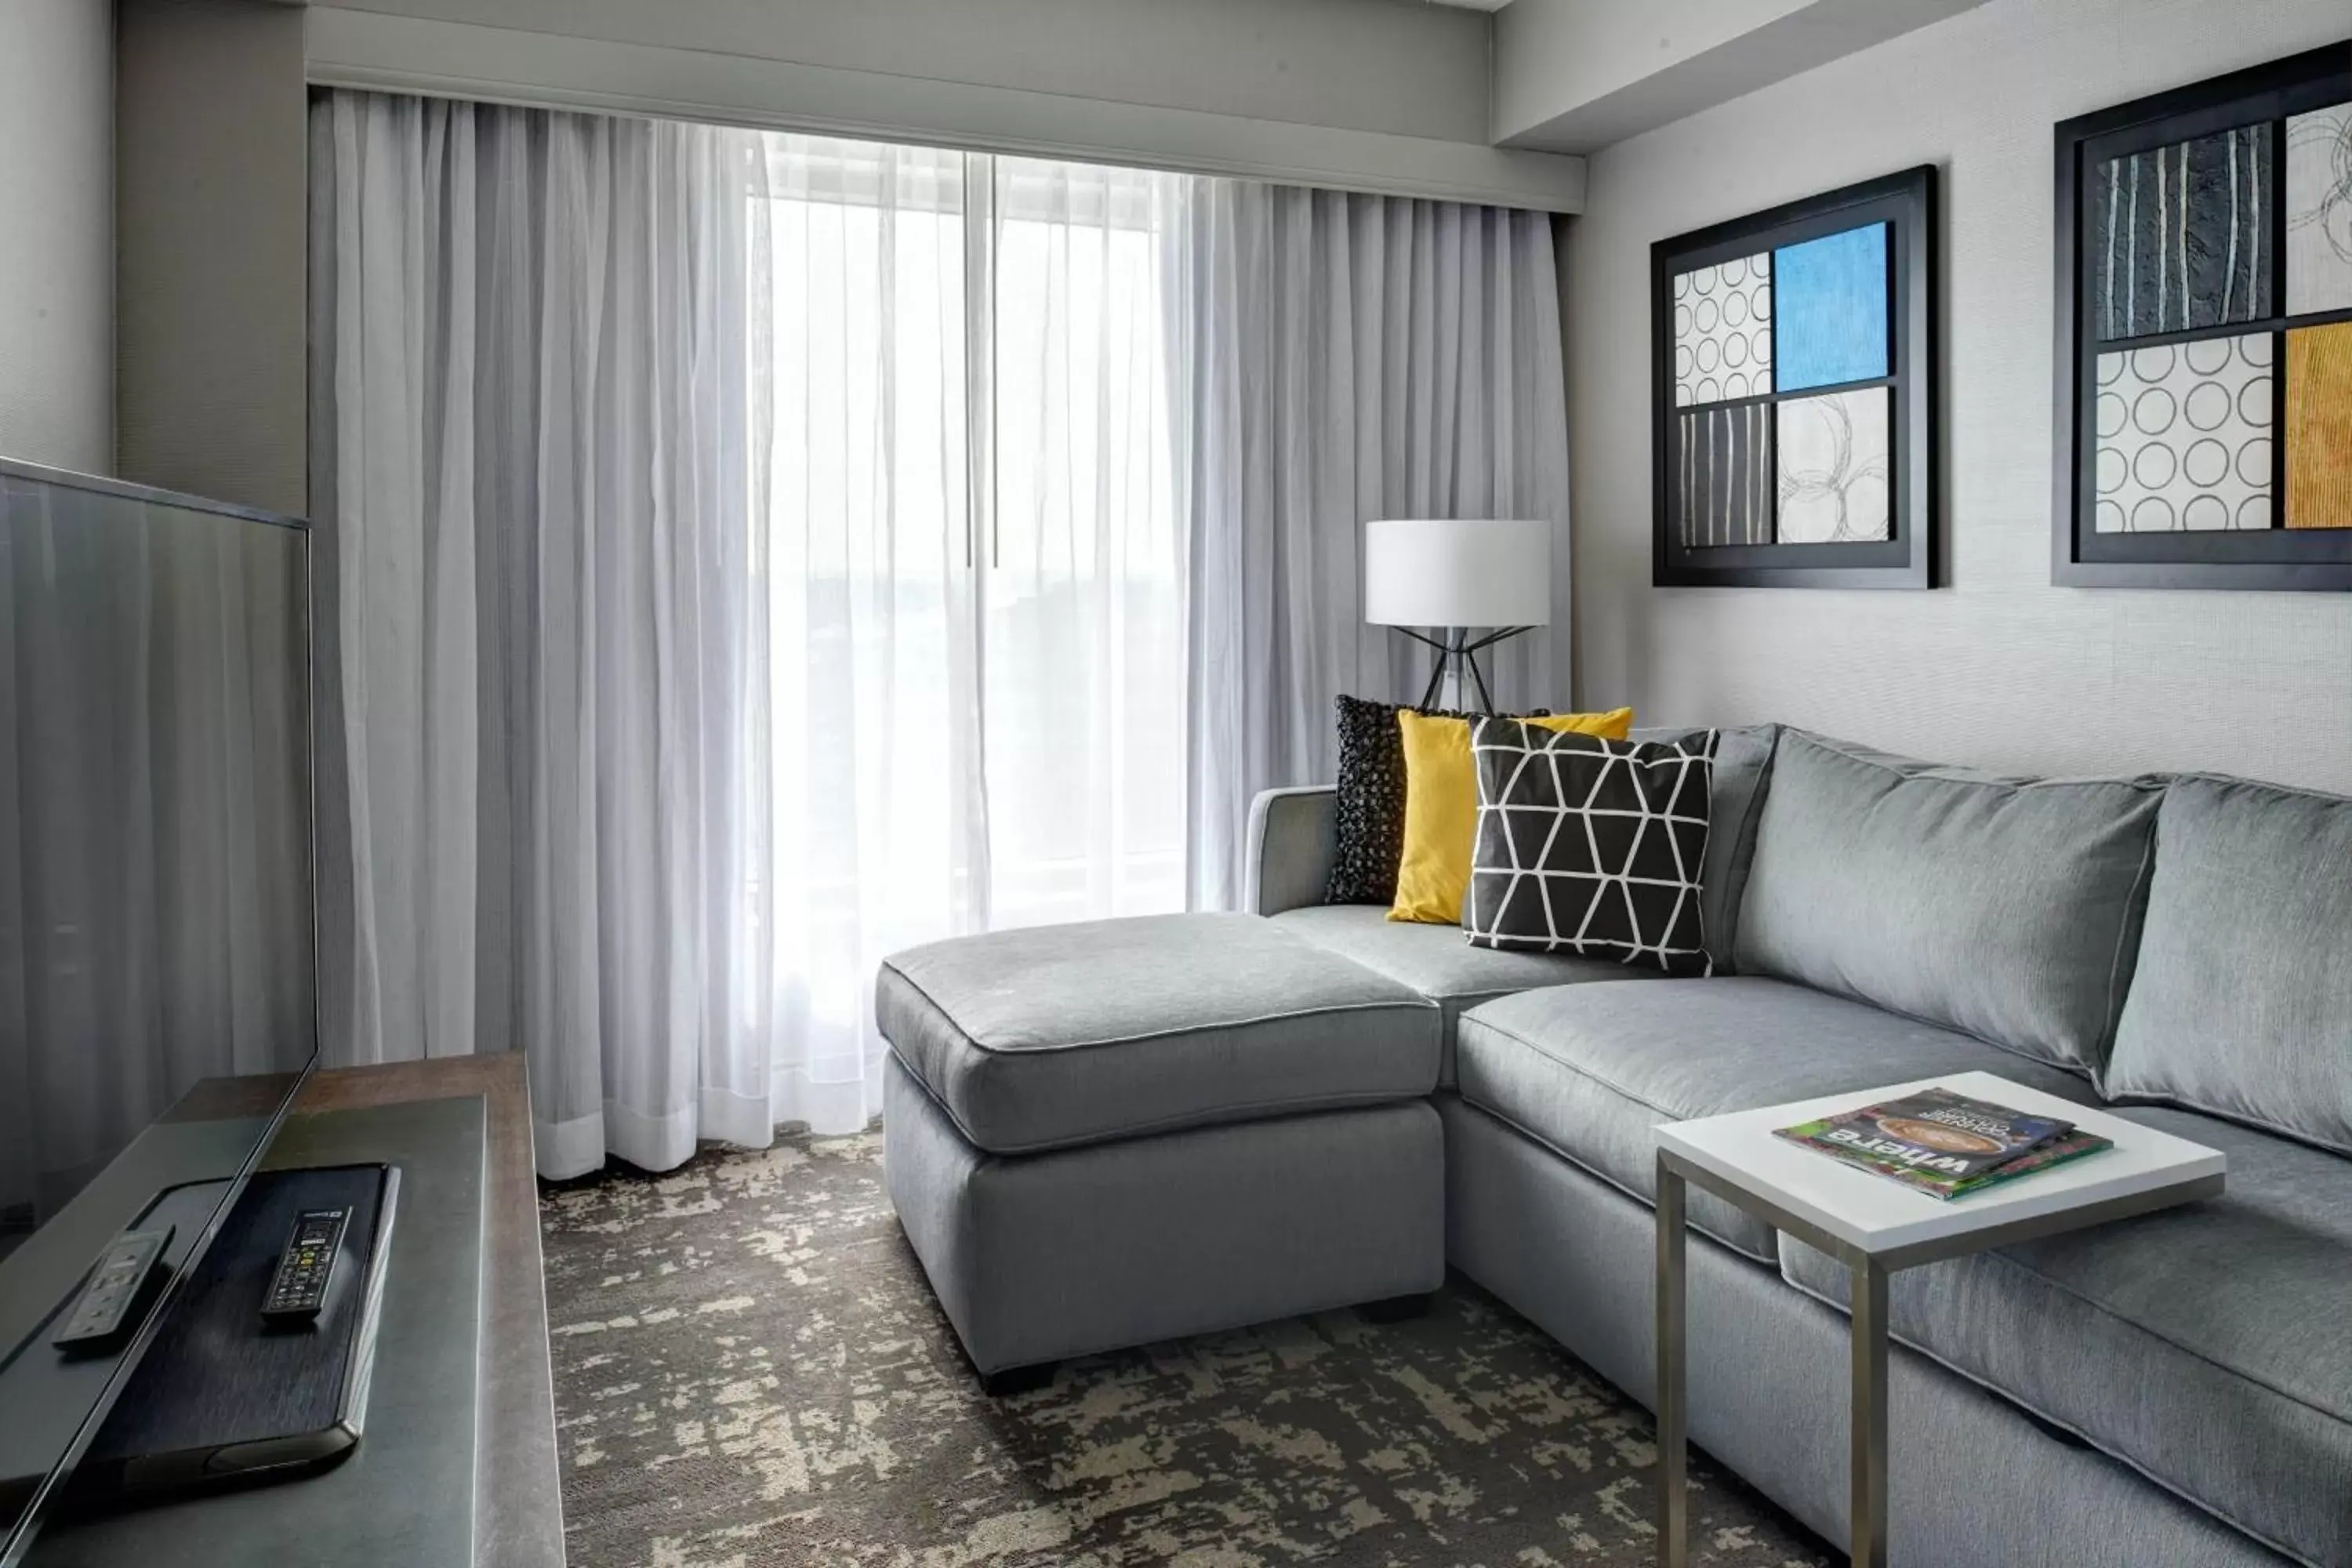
{"x":1458,"y":652}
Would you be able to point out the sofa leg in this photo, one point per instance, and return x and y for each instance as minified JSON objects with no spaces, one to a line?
{"x":1396,"y":1309}
{"x":1013,"y":1380}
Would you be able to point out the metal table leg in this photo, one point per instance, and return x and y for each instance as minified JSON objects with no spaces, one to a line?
{"x":1674,"y":1498}
{"x":1866,"y":1524}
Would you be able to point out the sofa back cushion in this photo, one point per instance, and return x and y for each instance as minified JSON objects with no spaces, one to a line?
{"x":2242,"y":1005}
{"x":1743,"y":767}
{"x":2008,"y":909}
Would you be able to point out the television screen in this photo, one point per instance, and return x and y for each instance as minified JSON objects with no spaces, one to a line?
{"x":157,"y":1005}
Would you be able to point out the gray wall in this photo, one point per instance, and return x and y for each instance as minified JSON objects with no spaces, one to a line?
{"x":1403,"y":68}
{"x":57,"y":233}
{"x":211,"y":215}
{"x":1377,"y":95}
{"x":2000,"y":668}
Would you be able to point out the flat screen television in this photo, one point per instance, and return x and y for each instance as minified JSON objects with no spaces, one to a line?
{"x":157,"y":954}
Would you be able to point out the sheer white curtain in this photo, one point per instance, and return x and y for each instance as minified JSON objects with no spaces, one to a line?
{"x":1084,"y":629}
{"x":863,"y":798}
{"x":751,"y":554}
{"x":1344,"y":358}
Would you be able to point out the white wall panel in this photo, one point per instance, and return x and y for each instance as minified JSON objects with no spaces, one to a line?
{"x":57,"y":233}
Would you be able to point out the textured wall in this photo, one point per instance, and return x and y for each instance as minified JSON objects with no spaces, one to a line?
{"x":1413,"y":70}
{"x":57,"y":233}
{"x":212,"y":218}
{"x":1999,"y":668}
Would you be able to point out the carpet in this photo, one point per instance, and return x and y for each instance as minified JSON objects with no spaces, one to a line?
{"x":750,"y":1371}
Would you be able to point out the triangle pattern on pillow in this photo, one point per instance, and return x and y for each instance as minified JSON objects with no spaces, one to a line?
{"x":1589,"y":846}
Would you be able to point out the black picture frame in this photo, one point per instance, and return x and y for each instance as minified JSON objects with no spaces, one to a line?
{"x":2277,"y":558}
{"x":1908,"y":557}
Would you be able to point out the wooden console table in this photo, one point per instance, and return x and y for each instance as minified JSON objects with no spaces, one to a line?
{"x":456,"y":1468}
{"x":519,"y":1515}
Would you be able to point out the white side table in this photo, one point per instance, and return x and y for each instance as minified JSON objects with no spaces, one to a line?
{"x":1875,"y":1227}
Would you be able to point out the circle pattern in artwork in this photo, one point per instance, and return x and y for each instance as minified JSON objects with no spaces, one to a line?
{"x":2209,"y":356}
{"x":2207,"y":406}
{"x":2255,"y":405}
{"x":2183,"y":437}
{"x":2114,"y":471}
{"x":2205,"y":465}
{"x":2153,"y":365}
{"x":2112,"y":414}
{"x":1723,"y":330}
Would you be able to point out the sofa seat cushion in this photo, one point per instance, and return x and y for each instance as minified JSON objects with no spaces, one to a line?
{"x":1440,"y":964}
{"x":1589,"y":1070}
{"x":1057,"y":1035}
{"x":2208,"y":1345}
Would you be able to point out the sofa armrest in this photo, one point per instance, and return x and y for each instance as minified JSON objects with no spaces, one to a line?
{"x":1290,"y":840}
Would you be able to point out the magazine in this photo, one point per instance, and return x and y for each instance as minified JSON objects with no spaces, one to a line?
{"x":1945,"y":1144}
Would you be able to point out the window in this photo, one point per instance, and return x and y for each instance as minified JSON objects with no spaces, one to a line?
{"x":974,"y":568}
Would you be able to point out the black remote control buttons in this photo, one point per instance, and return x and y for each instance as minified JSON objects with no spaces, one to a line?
{"x":298,"y":1287}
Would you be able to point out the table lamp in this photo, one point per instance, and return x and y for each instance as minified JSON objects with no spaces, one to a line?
{"x":1456,"y":575}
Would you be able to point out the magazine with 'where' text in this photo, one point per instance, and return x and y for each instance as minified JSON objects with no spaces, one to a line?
{"x":1944,"y":1143}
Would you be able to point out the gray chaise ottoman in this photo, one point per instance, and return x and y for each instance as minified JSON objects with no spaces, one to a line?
{"x":1103,"y":1134}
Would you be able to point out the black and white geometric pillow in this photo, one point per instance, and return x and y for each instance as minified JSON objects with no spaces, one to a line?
{"x":1589,"y":846}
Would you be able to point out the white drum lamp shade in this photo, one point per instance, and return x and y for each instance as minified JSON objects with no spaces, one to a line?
{"x":1458,"y":571}
{"x":1457,"y":574}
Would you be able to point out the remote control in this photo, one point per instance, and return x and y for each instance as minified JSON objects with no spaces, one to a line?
{"x":115,"y":1287}
{"x":305,"y":1269}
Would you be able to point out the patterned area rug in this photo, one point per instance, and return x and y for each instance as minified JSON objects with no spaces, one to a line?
{"x":750,"y":1371}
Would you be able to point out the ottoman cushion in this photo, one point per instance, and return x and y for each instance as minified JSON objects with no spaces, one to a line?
{"x":1059,"y":1036}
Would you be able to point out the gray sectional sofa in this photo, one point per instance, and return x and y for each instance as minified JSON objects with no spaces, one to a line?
{"x":1110,"y":1133}
{"x":2175,"y":1389}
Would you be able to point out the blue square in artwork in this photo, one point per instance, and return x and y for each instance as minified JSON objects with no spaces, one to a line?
{"x":1829,"y":310}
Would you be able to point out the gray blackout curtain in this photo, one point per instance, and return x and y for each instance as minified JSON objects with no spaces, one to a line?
{"x":1344,"y":358}
{"x":527,"y":339}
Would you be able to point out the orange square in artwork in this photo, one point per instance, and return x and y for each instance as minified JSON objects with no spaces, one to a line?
{"x":2319,"y":426}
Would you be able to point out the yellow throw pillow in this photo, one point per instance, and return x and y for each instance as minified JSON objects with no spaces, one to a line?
{"x":1441,"y":808}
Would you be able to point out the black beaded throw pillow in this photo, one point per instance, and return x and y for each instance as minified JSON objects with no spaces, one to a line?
{"x":1368,"y":816}
{"x":1589,"y":846}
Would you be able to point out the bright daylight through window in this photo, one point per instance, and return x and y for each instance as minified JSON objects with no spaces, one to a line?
{"x":974,"y":570}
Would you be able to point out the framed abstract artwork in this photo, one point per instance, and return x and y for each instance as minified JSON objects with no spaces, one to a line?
{"x":1793,"y":387}
{"x":2204,"y":328}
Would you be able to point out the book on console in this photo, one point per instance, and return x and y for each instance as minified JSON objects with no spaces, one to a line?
{"x":1944,"y":1143}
